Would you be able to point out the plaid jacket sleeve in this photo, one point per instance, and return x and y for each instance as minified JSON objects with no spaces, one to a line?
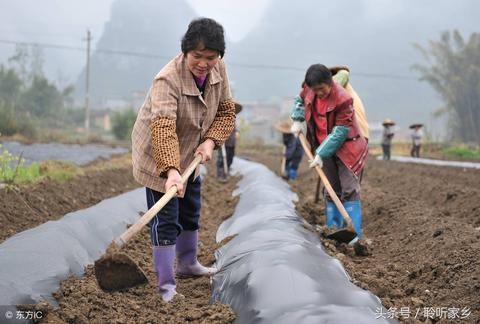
{"x":224,"y":121}
{"x":165,"y":146}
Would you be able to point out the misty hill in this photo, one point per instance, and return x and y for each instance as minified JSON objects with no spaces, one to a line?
{"x":56,"y":22}
{"x":143,"y":26}
{"x":375,"y":39}
{"x":369,"y":38}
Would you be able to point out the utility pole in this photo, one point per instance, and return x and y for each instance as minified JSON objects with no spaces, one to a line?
{"x":87,"y":85}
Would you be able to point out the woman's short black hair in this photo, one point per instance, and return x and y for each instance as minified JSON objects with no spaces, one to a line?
{"x":204,"y":32}
{"x":317,"y":74}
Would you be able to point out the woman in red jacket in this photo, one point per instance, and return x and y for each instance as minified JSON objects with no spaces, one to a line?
{"x":325,"y":110}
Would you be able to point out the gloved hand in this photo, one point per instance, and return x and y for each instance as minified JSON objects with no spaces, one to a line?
{"x":298,"y":127}
{"x":316,"y":161}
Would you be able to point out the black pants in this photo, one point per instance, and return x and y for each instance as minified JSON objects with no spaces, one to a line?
{"x":415,"y":152}
{"x":177,"y":215}
{"x":343,"y":181}
{"x":386,"y":151}
{"x":230,"y":150}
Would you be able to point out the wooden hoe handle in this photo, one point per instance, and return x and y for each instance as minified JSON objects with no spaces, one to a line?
{"x":135,"y":228}
{"x":326,"y":183}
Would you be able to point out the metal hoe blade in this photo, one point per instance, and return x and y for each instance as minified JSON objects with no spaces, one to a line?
{"x":117,"y":271}
{"x":343,"y":235}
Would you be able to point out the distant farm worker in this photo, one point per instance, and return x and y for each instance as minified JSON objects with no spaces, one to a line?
{"x":293,"y":155}
{"x":292,"y":152}
{"x":417,"y":135}
{"x":387,"y":137}
{"x":229,"y":144}
{"x":325,"y":111}
{"x":188,"y":111}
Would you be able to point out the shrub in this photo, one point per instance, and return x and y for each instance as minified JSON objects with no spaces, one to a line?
{"x":122,"y":124}
{"x":13,"y":170}
{"x":463,"y":151}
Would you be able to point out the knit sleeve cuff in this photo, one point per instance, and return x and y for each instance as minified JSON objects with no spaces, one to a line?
{"x":165,"y":147}
{"x":223,"y":124}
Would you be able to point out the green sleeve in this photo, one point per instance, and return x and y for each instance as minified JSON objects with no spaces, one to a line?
{"x":333,"y":142}
{"x":298,"y":111}
{"x":342,"y":77}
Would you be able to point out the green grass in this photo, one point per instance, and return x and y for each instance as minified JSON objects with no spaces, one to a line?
{"x":59,"y":171}
{"x":463,"y":152}
{"x":27,"y":174}
{"x":19,"y":174}
{"x":14,"y":172}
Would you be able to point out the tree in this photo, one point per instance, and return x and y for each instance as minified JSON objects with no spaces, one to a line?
{"x":19,"y":62}
{"x":28,"y":62}
{"x":36,"y":61}
{"x":10,"y":88}
{"x":122,"y":124}
{"x":26,"y":93}
{"x":10,"y":85}
{"x":454,"y":72}
{"x":42,"y":99}
{"x":22,"y":100}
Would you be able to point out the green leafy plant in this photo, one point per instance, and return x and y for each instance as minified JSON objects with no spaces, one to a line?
{"x":13,"y":170}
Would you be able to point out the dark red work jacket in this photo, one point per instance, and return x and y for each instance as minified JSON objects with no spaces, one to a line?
{"x":337,"y":109}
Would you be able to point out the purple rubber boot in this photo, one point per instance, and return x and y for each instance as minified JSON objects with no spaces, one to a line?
{"x":163,"y":257}
{"x":187,"y":263}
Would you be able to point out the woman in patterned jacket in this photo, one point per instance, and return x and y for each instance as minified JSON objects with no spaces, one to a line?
{"x":188,"y":111}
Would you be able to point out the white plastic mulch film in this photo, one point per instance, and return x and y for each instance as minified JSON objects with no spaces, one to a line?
{"x":34,"y":262}
{"x":456,"y":164}
{"x":74,"y":153}
{"x":275,"y":270}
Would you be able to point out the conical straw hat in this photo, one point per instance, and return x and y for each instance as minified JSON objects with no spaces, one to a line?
{"x":388,"y":121}
{"x":415,"y":125}
{"x":283,"y":126}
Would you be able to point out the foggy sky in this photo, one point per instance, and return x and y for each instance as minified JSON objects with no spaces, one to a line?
{"x":65,"y":22}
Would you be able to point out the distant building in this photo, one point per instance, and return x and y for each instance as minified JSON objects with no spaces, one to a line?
{"x":115,"y":104}
{"x":101,"y":119}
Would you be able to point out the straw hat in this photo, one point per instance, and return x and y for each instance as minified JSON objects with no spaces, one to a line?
{"x":283,"y":126}
{"x":388,"y":122}
{"x":415,"y":125}
{"x":238,"y":107}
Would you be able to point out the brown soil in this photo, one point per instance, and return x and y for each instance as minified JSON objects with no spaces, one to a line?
{"x":421,"y":233}
{"x":421,"y":241}
{"x":82,"y":301}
